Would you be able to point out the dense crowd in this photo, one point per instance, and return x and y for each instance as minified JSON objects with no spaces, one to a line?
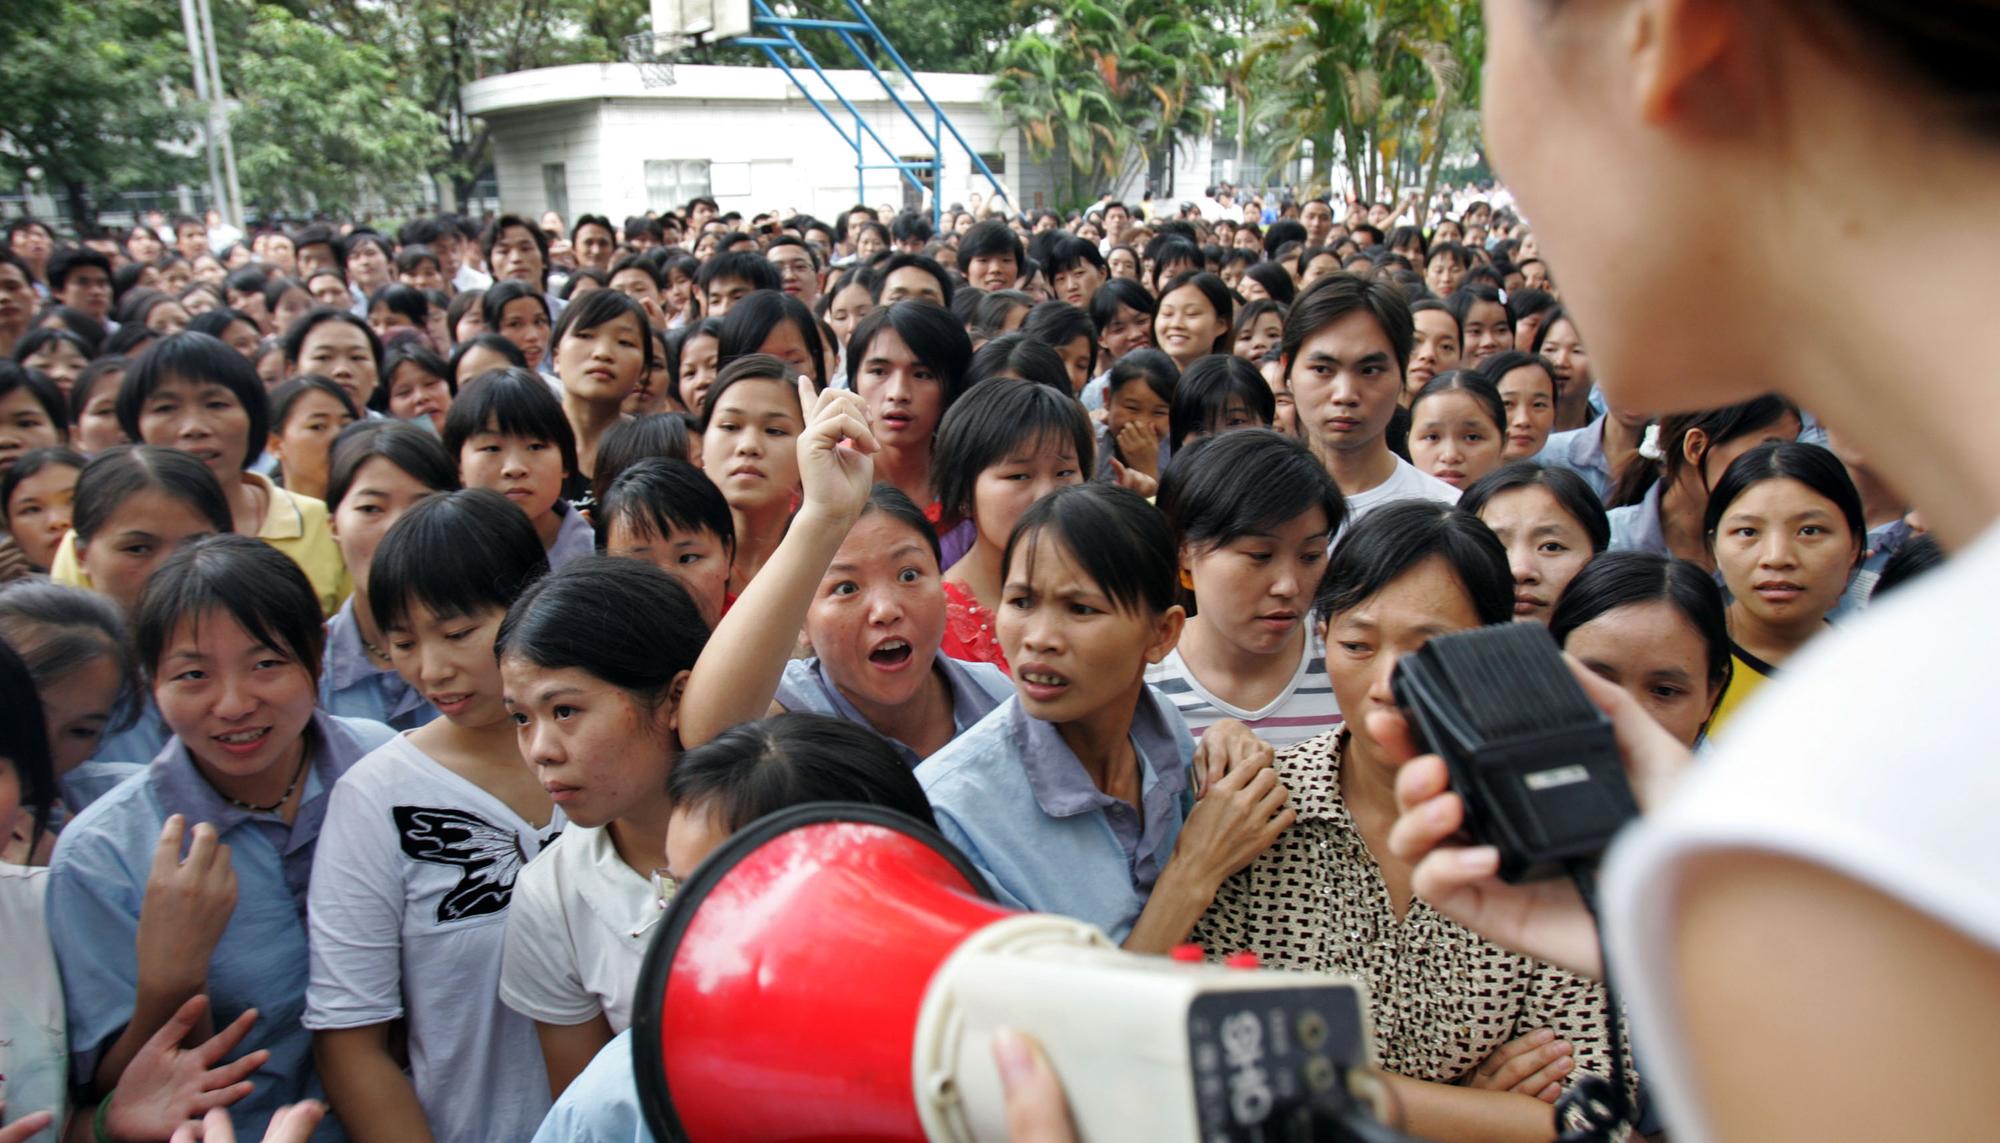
{"x":394,"y":615}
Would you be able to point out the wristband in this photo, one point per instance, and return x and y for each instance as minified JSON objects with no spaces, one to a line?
{"x":99,"y":1129}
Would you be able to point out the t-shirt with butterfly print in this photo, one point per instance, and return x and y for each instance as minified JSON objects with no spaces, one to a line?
{"x":407,"y":913}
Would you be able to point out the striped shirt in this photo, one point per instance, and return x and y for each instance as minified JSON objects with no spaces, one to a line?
{"x":1303,"y":709}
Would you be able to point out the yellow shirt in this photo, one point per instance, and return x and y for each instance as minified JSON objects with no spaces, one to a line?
{"x":295,"y":525}
{"x":1748,"y":677}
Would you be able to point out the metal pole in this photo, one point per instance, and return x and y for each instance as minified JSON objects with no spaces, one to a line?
{"x":233,"y":211}
{"x":192,"y":26}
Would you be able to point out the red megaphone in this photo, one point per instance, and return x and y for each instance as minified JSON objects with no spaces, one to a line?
{"x":835,"y":972}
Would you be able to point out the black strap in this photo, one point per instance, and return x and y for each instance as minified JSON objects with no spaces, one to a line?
{"x":1593,"y":1109}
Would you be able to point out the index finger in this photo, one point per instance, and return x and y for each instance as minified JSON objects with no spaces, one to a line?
{"x":167,"y":854}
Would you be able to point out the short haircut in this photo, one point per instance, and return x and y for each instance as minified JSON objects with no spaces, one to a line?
{"x":86,"y":382}
{"x":120,"y":471}
{"x":411,"y":258}
{"x":1018,"y":355}
{"x":1206,"y":388}
{"x":990,"y":239}
{"x":408,"y":301}
{"x":1117,"y":539}
{"x":1451,"y":250}
{"x":650,"y":267}
{"x":1917,"y":555}
{"x":35,"y":340}
{"x":888,"y":500}
{"x":1335,"y":296}
{"x":1507,"y":360}
{"x":1168,"y":251}
{"x":1280,"y":232}
{"x":1389,"y":541}
{"x":1275,"y":279}
{"x":1118,"y":292}
{"x":899,"y":261}
{"x":414,"y":450}
{"x":749,"y":367}
{"x":1056,"y":324}
{"x":1625,"y":579}
{"x":1220,"y":298}
{"x":43,"y":390}
{"x":656,"y":496}
{"x":58,"y":630}
{"x":24,"y":740}
{"x":1470,"y":382}
{"x":320,"y":234}
{"x":1809,"y":464}
{"x":601,"y":307}
{"x":295,"y":337}
{"x":993,"y":419}
{"x":412,"y":350}
{"x":911,"y":226}
{"x":984,"y":313}
{"x":1571,"y":493}
{"x":758,"y":768}
{"x":456,"y":553}
{"x":487,"y":340}
{"x":501,"y":294}
{"x":256,"y":584}
{"x":1225,"y":487}
{"x":1527,"y":302}
{"x":1066,"y":252}
{"x":792,"y":240}
{"x":934,"y":337}
{"x":654,"y":436}
{"x":757,"y":315}
{"x":583,"y":220}
{"x":501,"y":225}
{"x":623,"y":621}
{"x":1150,"y":366}
{"x":743,"y":265}
{"x":198,"y":359}
{"x":514,"y":403}
{"x":294,"y":389}
{"x":72,"y":258}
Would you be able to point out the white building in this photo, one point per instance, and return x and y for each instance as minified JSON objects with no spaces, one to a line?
{"x":594,"y":138}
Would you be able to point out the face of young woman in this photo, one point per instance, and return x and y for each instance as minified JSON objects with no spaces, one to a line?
{"x":1486,"y":332}
{"x":1260,"y":337}
{"x":1453,"y":437}
{"x":329,"y":290}
{"x":477,"y":360}
{"x":1364,"y":642}
{"x":201,"y":418}
{"x":237,"y":704}
{"x":144,"y":529}
{"x":470,"y":324}
{"x":242,"y":336}
{"x":1031,"y":471}
{"x":1564,"y":351}
{"x":39,"y":512}
{"x":98,"y":429}
{"x":1546,"y":547}
{"x":1530,"y":397}
{"x":292,"y":305}
{"x":680,"y":289}
{"x":62,"y":362}
{"x":1186,"y":325}
{"x":24,"y":427}
{"x":1076,"y":284}
{"x":449,"y":660}
{"x":1135,"y":403}
{"x":1785,"y":552}
{"x":597,"y":752}
{"x":1434,"y":350}
{"x":525,"y":322}
{"x":1320,"y":266}
{"x":1078,"y":359}
{"x":1128,"y":331}
{"x":878,"y":615}
{"x":904,"y":396}
{"x":417,"y":392}
{"x":749,"y":447}
{"x":76,"y":711}
{"x":385,"y":322}
{"x":378,"y":496}
{"x":846,"y":310}
{"x":1652,"y":651}
{"x":699,"y":356}
{"x":788,"y":344}
{"x":1122,"y":264}
{"x":1256,"y":590}
{"x":602,"y":364}
{"x":302,"y":442}
{"x":1072,"y":649}
{"x":340,"y":352}
{"x":698,"y":559}
{"x":526,"y":470}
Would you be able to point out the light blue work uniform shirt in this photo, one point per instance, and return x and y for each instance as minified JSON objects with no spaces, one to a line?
{"x":1014,"y":798}
{"x":1582,"y":452}
{"x":353,"y":687}
{"x":601,"y":1105}
{"x":575,"y":538}
{"x":97,"y":882}
{"x":976,"y":688}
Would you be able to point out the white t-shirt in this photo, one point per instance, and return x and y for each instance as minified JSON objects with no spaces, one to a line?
{"x":1303,"y":709}
{"x":581,"y":921}
{"x":34,"y":1034}
{"x":1900,"y":804}
{"x":407,"y":913}
{"x":1408,"y":482}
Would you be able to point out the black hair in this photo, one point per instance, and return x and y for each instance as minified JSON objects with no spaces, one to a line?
{"x":793,"y":759}
{"x":665,"y":436}
{"x":933,"y":336}
{"x":259,"y":586}
{"x":1151,"y":366}
{"x":413,"y":351}
{"x":486,"y":340}
{"x":287,"y":396}
{"x":71,"y":258}
{"x":911,"y":226}
{"x":1220,"y":298}
{"x":1527,"y":302}
{"x":897,"y":261}
{"x":32,"y":462}
{"x":1280,"y":232}
{"x":583,"y":220}
{"x":118,"y":472}
{"x":493,"y":306}
{"x":993,"y":419}
{"x":644,"y":265}
{"x":320,"y":234}
{"x":1066,"y":252}
{"x":463,"y":301}
{"x":513,"y":403}
{"x":1222,"y":488}
{"x":217,"y":321}
{"x":1572,"y":494}
{"x":274,"y":291}
{"x":1718,"y":426}
{"x":1404,"y":235}
{"x":744,"y":265}
{"x":753,"y":319}
{"x":492,"y":235}
{"x":295,"y":337}
{"x":87,"y":328}
{"x":1469,"y":382}
{"x":676,"y":342}
{"x":1116,"y":292}
{"x":1462,"y":300}
{"x":1207,"y":387}
{"x":411,"y":257}
{"x":1507,"y":360}
{"x":1916,"y":556}
{"x":42,"y":389}
{"x":1624,"y":579}
{"x":750,"y":367}
{"x":590,"y":311}
{"x":1167,"y":251}
{"x":656,"y":496}
{"x":32,"y":341}
{"x":408,"y":301}
{"x":1056,"y":324}
{"x":1335,"y":296}
{"x":1453,"y":249}
{"x":1117,"y":539}
{"x":413,"y":449}
{"x":990,"y":239}
{"x":985,"y":314}
{"x":896,"y":504}
{"x":1276,"y":280}
{"x":24,"y":740}
{"x":1557,"y":313}
{"x":58,"y":630}
{"x":1811,"y":465}
{"x":1251,"y":311}
{"x":198,"y":359}
{"x":456,"y":553}
{"x":1387,"y":542}
{"x":1018,"y":355}
{"x":623,"y":621}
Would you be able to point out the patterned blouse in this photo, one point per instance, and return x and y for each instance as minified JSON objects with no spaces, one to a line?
{"x":968,"y":628}
{"x":1442,"y":999}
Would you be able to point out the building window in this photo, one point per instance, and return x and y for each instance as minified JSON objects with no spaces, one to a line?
{"x":670,"y":183}
{"x":555,"y":188}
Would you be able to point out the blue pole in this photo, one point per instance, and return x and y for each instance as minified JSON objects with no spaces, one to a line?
{"x":897,"y":58}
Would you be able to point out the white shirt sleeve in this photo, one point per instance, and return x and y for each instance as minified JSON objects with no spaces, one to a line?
{"x":354,"y":912}
{"x":539,"y":972}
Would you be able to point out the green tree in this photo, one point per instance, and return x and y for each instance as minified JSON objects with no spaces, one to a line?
{"x":322,"y":119}
{"x":85,"y":111}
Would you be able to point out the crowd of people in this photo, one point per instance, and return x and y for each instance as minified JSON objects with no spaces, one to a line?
{"x":393,"y":616}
